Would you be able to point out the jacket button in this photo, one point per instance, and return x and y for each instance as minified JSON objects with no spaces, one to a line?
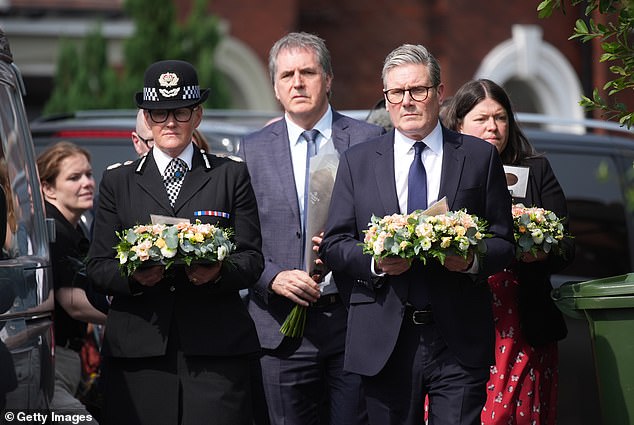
{"x":172,"y":288}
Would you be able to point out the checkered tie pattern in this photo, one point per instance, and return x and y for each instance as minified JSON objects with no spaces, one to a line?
{"x":173,"y":178}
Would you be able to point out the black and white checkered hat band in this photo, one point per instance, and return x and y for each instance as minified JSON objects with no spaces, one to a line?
{"x":191,"y":92}
{"x":188,"y":92}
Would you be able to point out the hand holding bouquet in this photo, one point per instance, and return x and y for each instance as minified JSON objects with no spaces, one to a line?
{"x":421,"y":236}
{"x":536,"y":229}
{"x":169,"y":243}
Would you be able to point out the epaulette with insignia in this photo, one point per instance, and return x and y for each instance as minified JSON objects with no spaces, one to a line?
{"x":118,"y":164}
{"x":113,"y":166}
{"x":234,"y":158}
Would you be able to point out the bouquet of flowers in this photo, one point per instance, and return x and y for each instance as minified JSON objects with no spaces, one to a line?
{"x":170,"y":243}
{"x":536,"y":229}
{"x":421,"y":236}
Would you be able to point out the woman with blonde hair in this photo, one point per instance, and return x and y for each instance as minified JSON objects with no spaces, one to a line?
{"x":68,"y":188}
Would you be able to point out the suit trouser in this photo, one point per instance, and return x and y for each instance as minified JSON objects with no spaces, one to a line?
{"x":304,"y":380}
{"x":421,"y":365}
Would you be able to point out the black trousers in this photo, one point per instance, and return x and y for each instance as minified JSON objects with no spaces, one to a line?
{"x":421,"y":365}
{"x":176,"y":389}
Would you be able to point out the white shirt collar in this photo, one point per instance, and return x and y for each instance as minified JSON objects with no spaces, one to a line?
{"x":162,"y":159}
{"x":324,"y":125}
{"x":433,"y":140}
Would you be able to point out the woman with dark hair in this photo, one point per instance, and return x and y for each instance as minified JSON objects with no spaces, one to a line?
{"x":522,"y":388}
{"x":68,"y":188}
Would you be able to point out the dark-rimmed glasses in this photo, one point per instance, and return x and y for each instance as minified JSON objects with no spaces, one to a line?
{"x":180,"y":114}
{"x":418,"y":93}
{"x":146,"y":141}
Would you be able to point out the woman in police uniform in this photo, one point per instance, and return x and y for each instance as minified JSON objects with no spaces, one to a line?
{"x":178,"y":341}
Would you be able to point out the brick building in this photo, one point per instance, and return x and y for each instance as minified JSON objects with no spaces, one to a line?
{"x":499,"y":39}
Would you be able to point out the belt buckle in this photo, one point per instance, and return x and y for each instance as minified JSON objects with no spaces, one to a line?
{"x":326,"y":300}
{"x":421,"y":322}
{"x":416,"y":322}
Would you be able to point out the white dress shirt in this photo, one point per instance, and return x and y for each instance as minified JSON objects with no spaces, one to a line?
{"x":162,"y":159}
{"x":432,"y":160}
{"x":298,"y":150}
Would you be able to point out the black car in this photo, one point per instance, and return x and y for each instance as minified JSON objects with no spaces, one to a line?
{"x":26,"y":292}
{"x":106,"y":134}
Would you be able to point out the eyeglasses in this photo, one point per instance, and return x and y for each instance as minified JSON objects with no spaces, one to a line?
{"x":146,"y":141}
{"x":180,"y":114}
{"x":419,"y":94}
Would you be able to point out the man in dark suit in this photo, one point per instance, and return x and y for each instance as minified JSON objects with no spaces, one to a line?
{"x":303,"y":378}
{"x":178,"y":341}
{"x":414,"y":329}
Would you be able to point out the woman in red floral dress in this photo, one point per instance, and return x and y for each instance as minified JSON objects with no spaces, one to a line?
{"x":522,"y":387}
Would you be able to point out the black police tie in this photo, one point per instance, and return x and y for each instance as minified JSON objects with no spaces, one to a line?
{"x":311,"y":150}
{"x":173,"y":178}
{"x":417,"y":181}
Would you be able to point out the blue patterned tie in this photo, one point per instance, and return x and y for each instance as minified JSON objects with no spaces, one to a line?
{"x":311,"y":150}
{"x":173,"y":178}
{"x":417,"y":181}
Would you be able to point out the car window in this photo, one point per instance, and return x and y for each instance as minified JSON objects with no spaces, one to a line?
{"x":596,"y":204}
{"x":18,"y":183}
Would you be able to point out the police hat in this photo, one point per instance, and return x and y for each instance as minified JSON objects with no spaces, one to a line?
{"x":170,"y":84}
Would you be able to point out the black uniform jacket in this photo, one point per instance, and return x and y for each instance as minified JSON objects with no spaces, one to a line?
{"x":209,"y":319}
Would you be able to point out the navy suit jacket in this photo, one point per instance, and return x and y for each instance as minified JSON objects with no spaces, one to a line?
{"x":472,"y":178}
{"x":210,"y":319}
{"x":268,"y":157}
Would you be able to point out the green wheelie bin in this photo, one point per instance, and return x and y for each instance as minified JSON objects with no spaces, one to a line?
{"x":608,"y":306}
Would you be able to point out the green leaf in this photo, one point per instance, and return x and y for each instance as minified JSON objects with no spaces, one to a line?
{"x":545,"y":8}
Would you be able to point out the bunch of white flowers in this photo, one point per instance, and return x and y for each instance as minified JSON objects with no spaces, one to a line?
{"x":536,"y":229}
{"x":421,"y":236}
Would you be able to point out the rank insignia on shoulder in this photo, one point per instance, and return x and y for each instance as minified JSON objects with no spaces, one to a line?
{"x":235,"y":158}
{"x":113,"y":166}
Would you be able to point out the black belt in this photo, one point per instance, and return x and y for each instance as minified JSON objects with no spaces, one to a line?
{"x":327,"y":300}
{"x":74,"y":344}
{"x":419,"y":317}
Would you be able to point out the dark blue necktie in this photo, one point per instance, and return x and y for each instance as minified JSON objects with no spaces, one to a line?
{"x":417,"y":181}
{"x":417,"y":200}
{"x":311,"y":150}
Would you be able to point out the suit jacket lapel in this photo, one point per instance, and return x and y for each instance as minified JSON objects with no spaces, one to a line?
{"x":151,"y":181}
{"x":340,"y":135}
{"x":384,"y":173}
{"x":195,"y":179}
{"x":280,"y":148}
{"x":452,"y":164}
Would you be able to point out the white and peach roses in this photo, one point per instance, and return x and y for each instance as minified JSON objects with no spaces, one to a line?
{"x":536,"y":229}
{"x":167,"y":244}
{"x":420,"y":236}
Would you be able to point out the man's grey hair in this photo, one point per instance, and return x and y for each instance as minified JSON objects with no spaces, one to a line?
{"x":300,"y":40}
{"x":412,"y":54}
